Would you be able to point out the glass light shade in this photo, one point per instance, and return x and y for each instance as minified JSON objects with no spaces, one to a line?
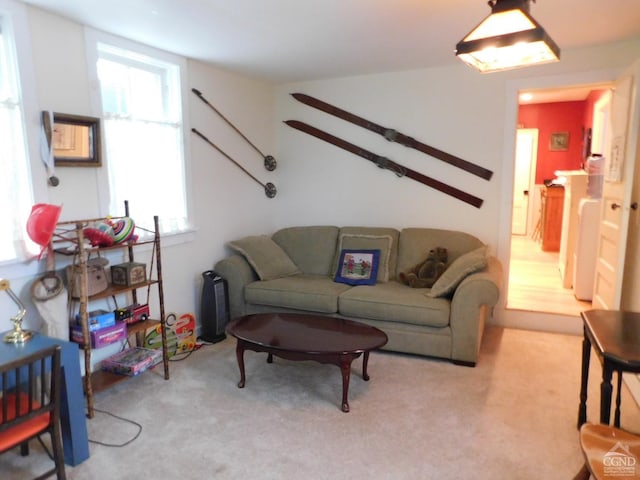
{"x":505,"y":40}
{"x":501,"y":23}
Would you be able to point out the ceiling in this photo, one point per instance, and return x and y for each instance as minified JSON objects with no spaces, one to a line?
{"x":290,"y":40}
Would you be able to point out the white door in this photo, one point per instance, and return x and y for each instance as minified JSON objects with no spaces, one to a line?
{"x":601,"y":120}
{"x":526,"y":155}
{"x":617,"y":191}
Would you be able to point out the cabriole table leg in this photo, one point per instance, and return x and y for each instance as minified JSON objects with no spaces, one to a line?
{"x":240,"y":357}
{"x":345,"y":368}
{"x":365,"y":362}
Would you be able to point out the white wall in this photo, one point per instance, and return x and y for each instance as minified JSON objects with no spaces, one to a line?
{"x":453,"y":108}
{"x":438,"y":106}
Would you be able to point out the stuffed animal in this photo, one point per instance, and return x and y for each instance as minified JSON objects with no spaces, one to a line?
{"x":425,"y":273}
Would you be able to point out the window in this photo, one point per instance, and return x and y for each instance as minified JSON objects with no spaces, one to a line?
{"x":16,"y":195}
{"x":143,"y":142}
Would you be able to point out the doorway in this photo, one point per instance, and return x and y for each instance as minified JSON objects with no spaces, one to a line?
{"x":535,"y":283}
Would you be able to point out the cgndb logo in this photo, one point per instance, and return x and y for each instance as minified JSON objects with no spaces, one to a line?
{"x":619,"y":461}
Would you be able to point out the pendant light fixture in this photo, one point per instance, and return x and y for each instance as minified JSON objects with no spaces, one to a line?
{"x":508,"y":38}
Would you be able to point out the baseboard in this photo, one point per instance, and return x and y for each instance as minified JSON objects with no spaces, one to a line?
{"x":546,"y":322}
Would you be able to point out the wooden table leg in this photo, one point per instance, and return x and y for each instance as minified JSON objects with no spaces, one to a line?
{"x":605,"y":393}
{"x":616,"y":418}
{"x":586,"y":354}
{"x":345,"y":368}
{"x":365,"y":362}
{"x":240,"y":357}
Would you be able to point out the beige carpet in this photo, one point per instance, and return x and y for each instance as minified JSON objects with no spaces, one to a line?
{"x":512,"y":417}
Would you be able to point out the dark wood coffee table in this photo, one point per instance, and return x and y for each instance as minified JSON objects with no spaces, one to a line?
{"x":307,"y":337}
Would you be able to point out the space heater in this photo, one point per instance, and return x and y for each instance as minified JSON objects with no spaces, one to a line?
{"x":214,"y":307}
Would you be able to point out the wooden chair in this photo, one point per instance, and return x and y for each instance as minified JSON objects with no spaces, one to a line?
{"x":610,"y":453}
{"x":30,"y":405}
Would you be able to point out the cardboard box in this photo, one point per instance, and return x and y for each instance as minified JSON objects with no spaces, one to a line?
{"x":98,"y":319}
{"x":128,"y":274}
{"x":132,"y":362}
{"x":101,"y":337}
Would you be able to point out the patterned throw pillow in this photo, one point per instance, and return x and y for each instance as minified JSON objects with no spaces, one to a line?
{"x":354,"y":241}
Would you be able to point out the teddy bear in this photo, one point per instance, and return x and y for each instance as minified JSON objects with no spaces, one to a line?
{"x":425,"y":273}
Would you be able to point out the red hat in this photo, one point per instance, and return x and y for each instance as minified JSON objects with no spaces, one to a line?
{"x":42,"y":223}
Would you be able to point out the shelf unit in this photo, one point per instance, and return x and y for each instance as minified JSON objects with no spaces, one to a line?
{"x":69,"y":240}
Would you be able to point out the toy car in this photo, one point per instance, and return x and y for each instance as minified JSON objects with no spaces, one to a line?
{"x":140,"y":313}
{"x":134,"y":313}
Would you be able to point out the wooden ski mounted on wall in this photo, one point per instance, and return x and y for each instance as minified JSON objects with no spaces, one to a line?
{"x":383,"y":162}
{"x":395,"y":136}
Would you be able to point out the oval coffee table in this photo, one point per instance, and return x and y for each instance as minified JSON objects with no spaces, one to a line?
{"x":295,"y":336}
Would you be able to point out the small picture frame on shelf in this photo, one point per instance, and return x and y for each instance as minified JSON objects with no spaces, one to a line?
{"x":559,"y":142}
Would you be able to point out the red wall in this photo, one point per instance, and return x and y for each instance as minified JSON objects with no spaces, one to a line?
{"x":550,"y":118}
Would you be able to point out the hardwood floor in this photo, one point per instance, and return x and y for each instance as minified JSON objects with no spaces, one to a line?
{"x":535,"y":283}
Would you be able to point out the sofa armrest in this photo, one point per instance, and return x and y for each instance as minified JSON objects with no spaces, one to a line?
{"x":471,"y":304}
{"x":238,"y":273}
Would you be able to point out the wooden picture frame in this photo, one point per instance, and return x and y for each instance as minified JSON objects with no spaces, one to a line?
{"x":75,"y":139}
{"x":559,"y":141}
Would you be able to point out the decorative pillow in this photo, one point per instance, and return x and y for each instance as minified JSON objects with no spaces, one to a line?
{"x":462,"y":266}
{"x":358,"y":267}
{"x":265,"y":256}
{"x":354,"y":241}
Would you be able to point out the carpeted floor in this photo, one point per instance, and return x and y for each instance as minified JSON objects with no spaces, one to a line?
{"x":512,"y":417}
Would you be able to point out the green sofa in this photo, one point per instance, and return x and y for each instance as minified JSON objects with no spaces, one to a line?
{"x":294,"y":270}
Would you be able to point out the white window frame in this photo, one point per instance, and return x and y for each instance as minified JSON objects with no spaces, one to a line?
{"x":15,"y":13}
{"x":92,"y":38}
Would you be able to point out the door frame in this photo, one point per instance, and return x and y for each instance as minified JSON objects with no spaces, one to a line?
{"x":533,"y":158}
{"x":514,"y":318}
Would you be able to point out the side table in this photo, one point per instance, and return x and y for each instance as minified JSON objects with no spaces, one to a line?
{"x":615,"y":337}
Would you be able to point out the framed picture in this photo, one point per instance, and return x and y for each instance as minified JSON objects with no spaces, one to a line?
{"x":358,"y":267}
{"x":559,"y":141}
{"x":74,"y":139}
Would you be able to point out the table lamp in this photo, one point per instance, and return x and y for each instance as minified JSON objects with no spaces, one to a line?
{"x":17,"y":335}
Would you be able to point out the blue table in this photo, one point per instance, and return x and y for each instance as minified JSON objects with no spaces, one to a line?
{"x":72,"y":412}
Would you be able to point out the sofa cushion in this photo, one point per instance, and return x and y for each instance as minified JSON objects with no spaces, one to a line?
{"x":371,"y":238}
{"x":315,"y":293}
{"x":265,"y":256}
{"x":462,"y":266}
{"x":311,"y":248}
{"x":393,"y":301}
